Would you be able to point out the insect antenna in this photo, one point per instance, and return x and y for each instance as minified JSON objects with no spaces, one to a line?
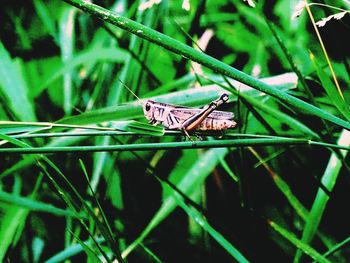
{"x":133,"y":93}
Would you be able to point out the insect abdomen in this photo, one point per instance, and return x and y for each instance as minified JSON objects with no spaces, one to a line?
{"x":215,"y":124}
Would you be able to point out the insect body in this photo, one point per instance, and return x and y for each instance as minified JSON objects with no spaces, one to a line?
{"x":187,"y":119}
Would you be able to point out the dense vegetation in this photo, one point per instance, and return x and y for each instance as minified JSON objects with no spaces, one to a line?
{"x":84,"y":177}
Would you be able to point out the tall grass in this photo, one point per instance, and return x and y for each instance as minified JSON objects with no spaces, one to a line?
{"x":85,"y":178}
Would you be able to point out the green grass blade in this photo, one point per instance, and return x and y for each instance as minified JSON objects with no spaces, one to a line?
{"x":228,"y":170}
{"x":329,"y":178}
{"x":14,"y":89}
{"x":200,"y":220}
{"x":202,"y":58}
{"x":71,"y":251}
{"x":138,"y":127}
{"x":66,"y":43}
{"x":8,"y":127}
{"x":31,"y":159}
{"x":337,"y":247}
{"x":46,"y":18}
{"x":90,"y":56}
{"x":67,"y":198}
{"x":191,"y":179}
{"x":299,"y":244}
{"x":108,"y":233}
{"x":92,"y":256}
{"x":30,"y":204}
{"x":9,"y":227}
{"x":331,"y":90}
{"x":169,"y":145}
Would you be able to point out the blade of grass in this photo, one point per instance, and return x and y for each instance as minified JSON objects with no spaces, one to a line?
{"x":171,"y":145}
{"x":202,"y":58}
{"x":9,"y":227}
{"x":46,"y":18}
{"x":31,"y":159}
{"x":14,"y":89}
{"x":90,"y":56}
{"x":66,"y":43}
{"x":329,"y":178}
{"x":331,"y":90}
{"x":18,"y":127}
{"x":201,"y":221}
{"x":92,"y":256}
{"x":11,"y":230}
{"x":337,"y":247}
{"x":32,"y":205}
{"x":192,"y":178}
{"x":129,"y":126}
{"x":72,"y":203}
{"x":68,"y":199}
{"x":71,"y":251}
{"x":298,"y":244}
{"x":289,"y":195}
{"x":151,"y":254}
{"x":323,"y":49}
{"x":105,"y":221}
{"x":228,"y":170}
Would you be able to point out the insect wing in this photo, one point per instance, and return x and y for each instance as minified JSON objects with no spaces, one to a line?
{"x":222,"y":115}
{"x":184,"y":113}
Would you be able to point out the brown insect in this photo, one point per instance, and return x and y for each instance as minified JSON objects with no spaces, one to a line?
{"x":176,"y":117}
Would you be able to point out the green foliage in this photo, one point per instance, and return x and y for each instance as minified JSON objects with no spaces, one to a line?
{"x":69,"y":74}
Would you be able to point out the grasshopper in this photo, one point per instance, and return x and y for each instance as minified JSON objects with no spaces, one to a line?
{"x":187,"y":119}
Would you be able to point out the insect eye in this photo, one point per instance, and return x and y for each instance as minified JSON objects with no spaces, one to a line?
{"x":147,"y":107}
{"x":224,"y":97}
